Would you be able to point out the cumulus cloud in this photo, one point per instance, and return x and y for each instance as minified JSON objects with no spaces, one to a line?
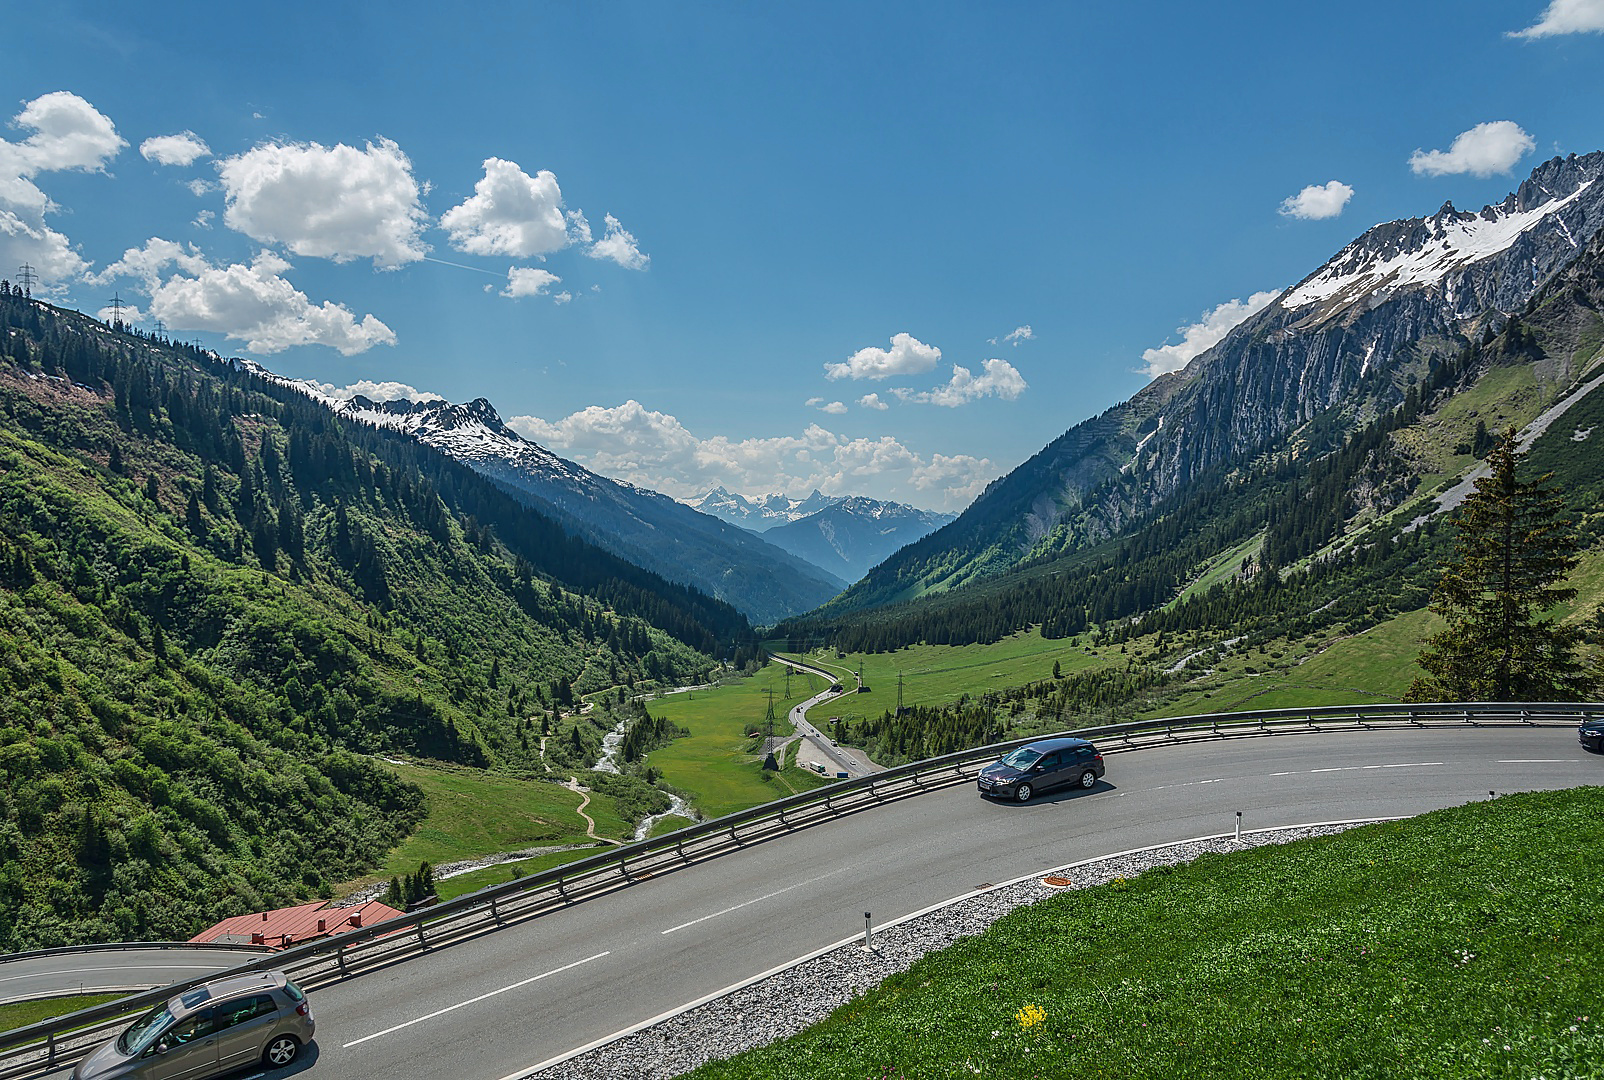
{"x":1203,"y":334}
{"x":1485,"y":149}
{"x":872,"y":401}
{"x":834,"y":408}
{"x":373,"y":391}
{"x":1566,"y":17}
{"x":1318,"y":201}
{"x":998,"y":378}
{"x":1021,"y":333}
{"x":907,"y":356}
{"x":510,"y":213}
{"x":335,"y":202}
{"x":185,"y":148}
{"x":68,"y":133}
{"x":654,"y":449}
{"x":252,"y":303}
{"x":528,"y":281}
{"x":619,"y":245}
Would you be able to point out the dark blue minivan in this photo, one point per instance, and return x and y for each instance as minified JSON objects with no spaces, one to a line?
{"x":1042,"y":766}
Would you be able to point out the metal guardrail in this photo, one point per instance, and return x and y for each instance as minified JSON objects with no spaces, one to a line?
{"x":63,"y":1039}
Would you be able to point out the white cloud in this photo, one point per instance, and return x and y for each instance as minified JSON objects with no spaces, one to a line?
{"x":528,"y":281}
{"x":336,"y":202}
{"x":998,"y":378}
{"x":1021,"y":333}
{"x":511,"y":213}
{"x":203,"y":220}
{"x":199,"y":187}
{"x":374,"y":391}
{"x":1566,"y":17}
{"x":655,"y":450}
{"x":562,"y":297}
{"x":1202,"y":335}
{"x":1318,"y":201}
{"x":1485,"y":149}
{"x":254,"y":304}
{"x":834,"y":408}
{"x":619,"y":245}
{"x":68,"y":133}
{"x":907,"y":356}
{"x":185,"y":148}
{"x":872,"y":401}
{"x":130,"y":314}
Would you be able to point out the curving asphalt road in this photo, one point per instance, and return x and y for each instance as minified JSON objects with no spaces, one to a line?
{"x":491,"y":1008}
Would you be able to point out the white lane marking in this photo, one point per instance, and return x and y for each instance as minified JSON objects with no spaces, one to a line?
{"x":470,"y":1001}
{"x":533,"y":1070}
{"x":121,"y":970}
{"x":1540,"y":761}
{"x":756,"y":900}
{"x":1362,"y":768}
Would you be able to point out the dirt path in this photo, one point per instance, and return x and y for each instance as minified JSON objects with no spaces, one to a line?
{"x":590,"y":822}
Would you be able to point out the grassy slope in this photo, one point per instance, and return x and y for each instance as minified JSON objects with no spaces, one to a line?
{"x":716,"y":766}
{"x":1460,"y":943}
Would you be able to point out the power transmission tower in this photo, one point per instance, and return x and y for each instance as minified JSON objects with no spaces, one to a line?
{"x":161,"y":328}
{"x":26,"y":278}
{"x":899,"y":693}
{"x":769,"y":720}
{"x":116,"y":311}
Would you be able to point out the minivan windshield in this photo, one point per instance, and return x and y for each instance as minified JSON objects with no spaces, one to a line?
{"x":1023,"y":758}
{"x":142,"y":1032}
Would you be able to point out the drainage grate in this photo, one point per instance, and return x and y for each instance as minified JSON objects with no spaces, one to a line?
{"x":1056,"y":881}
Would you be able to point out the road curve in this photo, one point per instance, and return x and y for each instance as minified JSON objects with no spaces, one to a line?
{"x":489,"y":1008}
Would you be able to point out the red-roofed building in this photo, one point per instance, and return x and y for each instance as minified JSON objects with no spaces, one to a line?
{"x":294,"y":925}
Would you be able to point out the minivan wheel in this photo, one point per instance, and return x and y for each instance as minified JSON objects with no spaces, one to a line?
{"x":1088,"y":779}
{"x":281,"y":1051}
{"x":1022,"y":793}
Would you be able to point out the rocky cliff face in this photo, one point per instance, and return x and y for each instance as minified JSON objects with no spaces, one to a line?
{"x":1338,"y":347}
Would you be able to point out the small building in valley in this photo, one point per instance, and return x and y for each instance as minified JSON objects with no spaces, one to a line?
{"x":284,"y":927}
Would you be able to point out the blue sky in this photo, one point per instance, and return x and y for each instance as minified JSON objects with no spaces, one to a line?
{"x":882,"y":249}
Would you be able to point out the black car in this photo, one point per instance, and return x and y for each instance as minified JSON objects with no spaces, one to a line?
{"x":1041,"y":766}
{"x":1591,"y":734}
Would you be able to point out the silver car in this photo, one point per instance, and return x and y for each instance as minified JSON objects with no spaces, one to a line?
{"x":209,"y":1030}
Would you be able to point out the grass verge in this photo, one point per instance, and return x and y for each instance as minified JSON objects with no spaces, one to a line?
{"x":1462,"y":943}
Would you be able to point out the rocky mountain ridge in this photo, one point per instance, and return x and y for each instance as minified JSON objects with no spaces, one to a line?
{"x":856,"y":533}
{"x":1343,"y":345}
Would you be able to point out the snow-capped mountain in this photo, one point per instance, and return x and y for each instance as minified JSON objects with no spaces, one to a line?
{"x":1342,"y":345}
{"x":762,"y":512}
{"x":854,"y":534}
{"x":649,"y":529}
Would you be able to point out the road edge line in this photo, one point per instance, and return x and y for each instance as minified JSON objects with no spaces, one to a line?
{"x":597,"y":1044}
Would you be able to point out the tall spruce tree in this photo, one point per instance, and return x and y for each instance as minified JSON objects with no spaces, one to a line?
{"x":1508,"y":568}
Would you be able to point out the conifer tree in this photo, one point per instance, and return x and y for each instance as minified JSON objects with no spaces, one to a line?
{"x":1508,"y":567}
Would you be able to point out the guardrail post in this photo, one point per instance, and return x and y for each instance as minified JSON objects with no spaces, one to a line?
{"x":495,"y":913}
{"x":422,"y":944}
{"x":339,"y":959}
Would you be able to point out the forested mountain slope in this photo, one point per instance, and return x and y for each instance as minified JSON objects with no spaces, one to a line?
{"x":1327,"y":357}
{"x":217,"y":598}
{"x":647,"y":528}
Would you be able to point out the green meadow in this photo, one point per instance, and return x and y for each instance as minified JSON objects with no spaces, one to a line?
{"x":1463,"y":943}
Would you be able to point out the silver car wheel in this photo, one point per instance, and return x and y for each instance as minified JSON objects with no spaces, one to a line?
{"x":1022,"y":793}
{"x":1088,"y":779}
{"x":281,"y":1051}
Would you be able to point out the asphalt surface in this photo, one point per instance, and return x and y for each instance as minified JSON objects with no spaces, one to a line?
{"x":103,"y":972}
{"x":491,"y":1008}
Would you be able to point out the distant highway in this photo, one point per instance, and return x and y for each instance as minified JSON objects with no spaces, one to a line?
{"x":492,"y":1007}
{"x":817,"y":745}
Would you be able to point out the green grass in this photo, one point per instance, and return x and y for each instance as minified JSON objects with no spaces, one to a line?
{"x":1462,"y":943}
{"x":472,"y":813}
{"x":712,"y":766}
{"x":1222,"y":568}
{"x":940,"y":674}
{"x":453,"y":887}
{"x":23,"y":1013}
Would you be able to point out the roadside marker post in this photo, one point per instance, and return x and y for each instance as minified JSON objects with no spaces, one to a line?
{"x":1239,"y":826}
{"x":868,"y":932}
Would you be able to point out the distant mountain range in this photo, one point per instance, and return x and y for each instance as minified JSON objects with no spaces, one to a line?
{"x":763,"y":581}
{"x":1349,"y":342}
{"x":846,"y":535}
{"x":762,"y":512}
